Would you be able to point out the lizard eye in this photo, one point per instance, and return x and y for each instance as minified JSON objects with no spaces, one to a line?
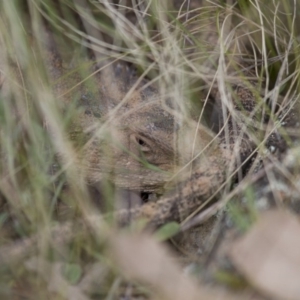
{"x":142,"y":143}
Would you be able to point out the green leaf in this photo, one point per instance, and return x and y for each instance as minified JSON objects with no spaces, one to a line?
{"x":232,"y":280}
{"x":72,"y":272}
{"x":3,"y":218}
{"x":167,"y":231}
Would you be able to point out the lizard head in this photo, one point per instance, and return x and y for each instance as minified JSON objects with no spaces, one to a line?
{"x":141,"y":141}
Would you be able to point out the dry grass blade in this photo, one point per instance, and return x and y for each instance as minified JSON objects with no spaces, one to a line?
{"x":142,"y":259}
{"x":268,"y":255}
{"x":164,"y":104}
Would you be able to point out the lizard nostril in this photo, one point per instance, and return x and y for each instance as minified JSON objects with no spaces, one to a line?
{"x":141,"y":142}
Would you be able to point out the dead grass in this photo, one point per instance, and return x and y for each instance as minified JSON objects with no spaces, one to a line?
{"x":187,"y":54}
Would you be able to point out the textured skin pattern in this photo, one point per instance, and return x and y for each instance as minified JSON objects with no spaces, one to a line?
{"x":143,"y":131}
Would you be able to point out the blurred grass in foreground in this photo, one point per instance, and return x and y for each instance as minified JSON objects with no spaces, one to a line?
{"x":36,"y":188}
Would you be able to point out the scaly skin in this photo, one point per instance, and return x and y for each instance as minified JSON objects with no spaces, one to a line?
{"x":193,"y":192}
{"x":144,"y":129}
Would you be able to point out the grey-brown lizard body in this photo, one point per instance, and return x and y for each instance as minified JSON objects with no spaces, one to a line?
{"x":174,"y":206}
{"x":145,"y":132}
{"x":209,"y":172}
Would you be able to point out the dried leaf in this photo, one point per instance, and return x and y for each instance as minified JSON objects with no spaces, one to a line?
{"x":143,"y":259}
{"x":269,"y":255}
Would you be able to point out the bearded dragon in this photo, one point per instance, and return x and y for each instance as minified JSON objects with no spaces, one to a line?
{"x":150,"y":145}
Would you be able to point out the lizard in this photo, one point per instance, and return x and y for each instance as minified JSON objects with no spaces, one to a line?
{"x":146,"y":130}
